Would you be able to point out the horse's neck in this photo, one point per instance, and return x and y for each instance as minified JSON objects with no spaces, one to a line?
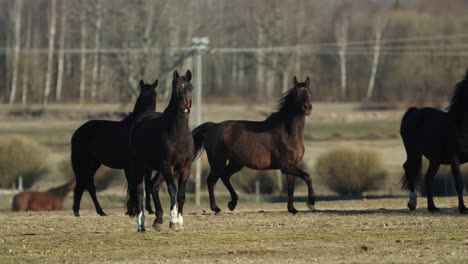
{"x":140,"y":108}
{"x":176,"y":124}
{"x":294,"y":126}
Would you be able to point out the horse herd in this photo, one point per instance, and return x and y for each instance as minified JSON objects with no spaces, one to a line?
{"x":147,"y":141}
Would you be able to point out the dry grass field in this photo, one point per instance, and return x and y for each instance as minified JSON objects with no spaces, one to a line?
{"x":346,"y":231}
{"x":357,"y":231}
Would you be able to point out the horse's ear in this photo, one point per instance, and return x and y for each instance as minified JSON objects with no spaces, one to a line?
{"x":307,"y":81}
{"x":155,"y":84}
{"x":294,"y":81}
{"x":176,"y":75}
{"x":188,"y":75}
{"x":142,"y":84}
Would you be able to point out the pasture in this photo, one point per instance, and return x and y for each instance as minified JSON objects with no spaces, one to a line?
{"x":353,"y":231}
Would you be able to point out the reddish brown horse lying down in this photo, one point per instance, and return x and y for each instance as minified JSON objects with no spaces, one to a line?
{"x":43,"y":201}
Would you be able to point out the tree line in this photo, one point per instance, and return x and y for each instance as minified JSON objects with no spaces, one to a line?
{"x":353,"y":50}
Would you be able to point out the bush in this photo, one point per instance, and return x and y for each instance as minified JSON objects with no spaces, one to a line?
{"x":103,"y":178}
{"x":246,"y":178}
{"x":21,"y":156}
{"x":348,"y":171}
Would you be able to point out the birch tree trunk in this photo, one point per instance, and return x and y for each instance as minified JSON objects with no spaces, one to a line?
{"x":260,"y":60}
{"x":375,"y":61}
{"x":58,"y":90}
{"x":50,"y":56}
{"x":27,"y":65}
{"x":84,"y":34}
{"x":14,"y":82}
{"x":342,"y":37}
{"x":96,"y":47}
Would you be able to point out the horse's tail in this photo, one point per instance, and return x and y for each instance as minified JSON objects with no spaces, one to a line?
{"x":198,"y":135}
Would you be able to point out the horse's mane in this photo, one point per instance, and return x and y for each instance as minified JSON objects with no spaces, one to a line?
{"x":459,"y":102}
{"x":61,"y":190}
{"x":285,"y":106}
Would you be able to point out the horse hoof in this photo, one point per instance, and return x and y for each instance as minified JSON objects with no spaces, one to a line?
{"x":411,"y":206}
{"x":216,"y":210}
{"x":310,"y":206}
{"x":293,"y":211}
{"x":101,"y":213}
{"x":433,"y":209}
{"x":232,"y":205}
{"x":77,"y":214}
{"x":174,"y":226}
{"x":157,"y":226}
{"x":141,"y":230}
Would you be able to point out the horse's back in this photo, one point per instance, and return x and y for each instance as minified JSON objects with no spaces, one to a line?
{"x":429,"y":131}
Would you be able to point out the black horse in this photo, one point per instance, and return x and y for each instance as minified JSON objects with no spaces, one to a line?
{"x":275,"y":143}
{"x":442,"y":137}
{"x":164,"y":143}
{"x":102,"y":142}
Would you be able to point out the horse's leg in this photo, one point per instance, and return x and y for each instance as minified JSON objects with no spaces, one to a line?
{"x":217,"y":164}
{"x":293,"y":170}
{"x":455,"y":165}
{"x":433,"y":168}
{"x":148,"y":191}
{"x":183,"y":177}
{"x":229,"y":170}
{"x":291,"y":182}
{"x":412,"y":168}
{"x":167,"y":172}
{"x":156,"y":184}
{"x":92,"y":189}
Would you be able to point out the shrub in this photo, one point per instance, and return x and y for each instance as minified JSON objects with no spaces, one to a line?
{"x":348,"y":171}
{"x":21,"y":156}
{"x":103,"y":178}
{"x":246,"y":178}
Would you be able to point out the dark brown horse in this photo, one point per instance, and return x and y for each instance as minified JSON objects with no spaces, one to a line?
{"x":102,"y":142}
{"x":442,"y":137}
{"x":164,"y":143}
{"x":43,"y":201}
{"x":275,"y":143}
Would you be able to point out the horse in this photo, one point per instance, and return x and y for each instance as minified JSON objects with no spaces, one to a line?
{"x":163,"y":143}
{"x":275,"y":143}
{"x":49,"y":200}
{"x":102,"y":142}
{"x":441,"y":137}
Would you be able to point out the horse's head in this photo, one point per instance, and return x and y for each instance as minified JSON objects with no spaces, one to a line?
{"x":147,"y":98}
{"x":302,"y":94}
{"x":182,"y":92}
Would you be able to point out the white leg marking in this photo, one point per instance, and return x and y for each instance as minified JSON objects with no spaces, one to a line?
{"x":141,"y":221}
{"x":173,"y":215}
{"x":181,"y":219}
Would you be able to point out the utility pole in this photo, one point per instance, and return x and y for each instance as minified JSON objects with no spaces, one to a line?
{"x":199,"y":45}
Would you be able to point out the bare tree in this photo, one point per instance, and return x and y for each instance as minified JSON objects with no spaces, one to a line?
{"x":96,"y":47}
{"x":63,"y":30}
{"x":14,"y":82}
{"x":27,"y":62}
{"x":341,"y":34}
{"x":84,"y":34}
{"x":53,"y":24}
{"x":375,"y":61}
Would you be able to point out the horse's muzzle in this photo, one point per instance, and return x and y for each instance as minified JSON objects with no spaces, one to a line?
{"x":307,"y":109}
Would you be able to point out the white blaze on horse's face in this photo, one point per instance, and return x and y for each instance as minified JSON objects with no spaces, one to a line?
{"x":141,"y":221}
